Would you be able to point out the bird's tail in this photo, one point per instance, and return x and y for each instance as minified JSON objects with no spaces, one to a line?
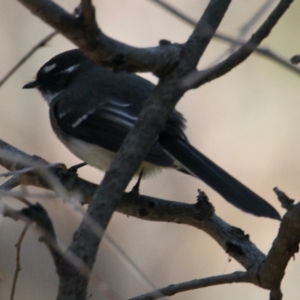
{"x":203,"y":168}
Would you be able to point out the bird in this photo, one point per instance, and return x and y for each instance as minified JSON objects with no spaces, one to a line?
{"x":92,"y":108}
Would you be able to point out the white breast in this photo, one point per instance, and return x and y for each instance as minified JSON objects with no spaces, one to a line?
{"x":101,"y":158}
{"x":91,"y":154}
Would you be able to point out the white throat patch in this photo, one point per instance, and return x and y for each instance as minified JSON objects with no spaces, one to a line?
{"x":49,"y":97}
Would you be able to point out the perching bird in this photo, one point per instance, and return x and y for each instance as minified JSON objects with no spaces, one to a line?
{"x":92,"y":110}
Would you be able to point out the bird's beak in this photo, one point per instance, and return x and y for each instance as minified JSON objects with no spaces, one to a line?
{"x":31,"y":85}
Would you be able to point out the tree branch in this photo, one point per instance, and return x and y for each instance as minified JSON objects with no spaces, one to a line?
{"x":205,"y":30}
{"x":83,"y":31}
{"x":195,"y":284}
{"x":284,"y":247}
{"x":263,"y":51}
{"x":18,"y":260}
{"x":40,"y":44}
{"x":268,"y":270}
{"x":199,"y":215}
{"x":197,"y":79}
{"x":66,"y":263}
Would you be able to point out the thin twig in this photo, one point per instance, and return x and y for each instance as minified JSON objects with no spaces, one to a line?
{"x":10,"y":183}
{"x":36,"y":213}
{"x":254,"y":19}
{"x":12,"y":159}
{"x":40,"y":44}
{"x":29,"y":169}
{"x":18,"y":196}
{"x":52,"y":245}
{"x":270,"y":54}
{"x":199,"y":78}
{"x":246,"y":28}
{"x":18,"y":260}
{"x":286,"y":202}
{"x":195,"y":284}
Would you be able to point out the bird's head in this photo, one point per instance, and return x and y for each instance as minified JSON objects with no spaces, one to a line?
{"x":54,"y":76}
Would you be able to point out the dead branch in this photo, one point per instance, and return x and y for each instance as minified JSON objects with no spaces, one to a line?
{"x":197,"y":79}
{"x":195,"y":284}
{"x":18,"y":260}
{"x":263,"y":51}
{"x":268,"y":269}
{"x":40,"y":44}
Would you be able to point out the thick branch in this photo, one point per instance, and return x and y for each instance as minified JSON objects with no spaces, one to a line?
{"x":198,"y":215}
{"x":283,"y":249}
{"x":83,"y":31}
{"x":268,"y":270}
{"x":205,"y":29}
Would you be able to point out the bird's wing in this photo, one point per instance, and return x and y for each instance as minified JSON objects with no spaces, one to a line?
{"x":105,"y":124}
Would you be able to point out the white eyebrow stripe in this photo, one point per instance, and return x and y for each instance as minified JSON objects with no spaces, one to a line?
{"x":71,"y":69}
{"x":49,"y":68}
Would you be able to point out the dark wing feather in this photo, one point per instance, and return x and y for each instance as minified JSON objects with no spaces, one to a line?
{"x":106,"y":125}
{"x":203,"y":168}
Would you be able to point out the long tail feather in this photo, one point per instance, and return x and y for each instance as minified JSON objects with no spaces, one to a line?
{"x":203,"y":168}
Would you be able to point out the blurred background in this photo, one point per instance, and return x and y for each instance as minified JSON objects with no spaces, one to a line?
{"x":247,"y":122}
